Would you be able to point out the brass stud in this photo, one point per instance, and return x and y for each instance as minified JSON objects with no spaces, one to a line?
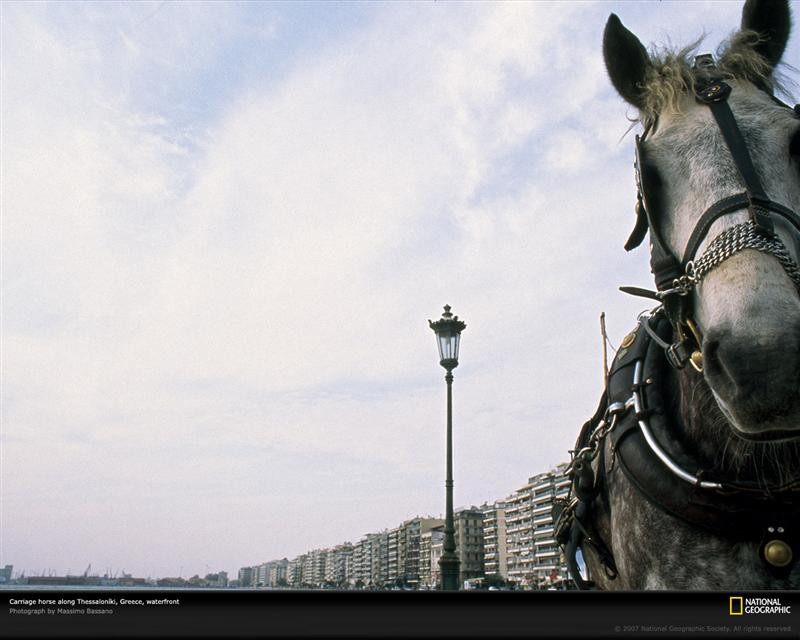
{"x":627,"y":341}
{"x":697,"y":359}
{"x":777,"y":553}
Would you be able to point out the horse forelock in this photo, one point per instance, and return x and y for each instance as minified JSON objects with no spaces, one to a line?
{"x":671,"y":78}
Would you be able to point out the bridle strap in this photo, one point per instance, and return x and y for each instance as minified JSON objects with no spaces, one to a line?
{"x":715,"y":95}
{"x":729,"y":205}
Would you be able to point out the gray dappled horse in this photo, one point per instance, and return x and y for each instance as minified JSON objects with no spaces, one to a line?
{"x":688,"y":476}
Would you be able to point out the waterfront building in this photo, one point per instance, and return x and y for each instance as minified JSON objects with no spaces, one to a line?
{"x":533,"y":556}
{"x":430,"y":550}
{"x":246,"y":577}
{"x":548,"y":567}
{"x":319,"y":563}
{"x":357,"y":574}
{"x":494,"y":540}
{"x":277,"y":573}
{"x":5,"y":574}
{"x":379,"y":558}
{"x":392,"y":544}
{"x":410,"y":556}
{"x":469,"y":543}
{"x":261,"y":575}
{"x":307,"y":570}
{"x":294,"y":573}
{"x":519,"y":535}
{"x":370,"y":560}
{"x":339,"y":566}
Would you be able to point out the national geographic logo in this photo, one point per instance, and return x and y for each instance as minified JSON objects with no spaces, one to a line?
{"x":739,"y":606}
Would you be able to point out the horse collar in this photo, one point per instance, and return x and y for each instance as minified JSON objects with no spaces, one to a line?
{"x":646,"y":445}
{"x":655,"y":460}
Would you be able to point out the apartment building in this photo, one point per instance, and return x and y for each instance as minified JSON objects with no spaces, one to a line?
{"x":359,"y":563}
{"x":410,"y":555}
{"x":494,"y":540}
{"x":533,"y":557}
{"x":430,"y":550}
{"x":369,"y":561}
{"x":519,"y":538}
{"x":547,"y":566}
{"x":392,"y":553}
{"x":379,"y":559}
{"x":294,"y":571}
{"x":277,"y":573}
{"x":245,"y":578}
{"x":339,"y":565}
{"x":261,"y":575}
{"x":469,"y":542}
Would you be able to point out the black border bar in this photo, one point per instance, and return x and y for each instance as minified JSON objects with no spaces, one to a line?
{"x":239,"y":613}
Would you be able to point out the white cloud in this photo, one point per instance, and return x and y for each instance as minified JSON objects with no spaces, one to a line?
{"x":227,"y":307}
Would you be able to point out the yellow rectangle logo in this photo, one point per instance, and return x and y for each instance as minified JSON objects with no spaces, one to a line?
{"x":737,"y":605}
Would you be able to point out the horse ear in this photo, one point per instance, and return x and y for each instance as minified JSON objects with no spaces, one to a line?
{"x":626,"y":61}
{"x":772,"y":21}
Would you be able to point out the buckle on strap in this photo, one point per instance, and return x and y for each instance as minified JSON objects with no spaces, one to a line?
{"x":678,"y":354}
{"x":717,"y":91}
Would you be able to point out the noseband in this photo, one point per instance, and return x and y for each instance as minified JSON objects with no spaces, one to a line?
{"x":676,"y":277}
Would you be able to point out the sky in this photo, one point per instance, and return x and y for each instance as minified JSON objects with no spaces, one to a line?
{"x":225,"y":227}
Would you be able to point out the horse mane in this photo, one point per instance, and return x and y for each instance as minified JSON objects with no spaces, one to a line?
{"x":670,"y":76}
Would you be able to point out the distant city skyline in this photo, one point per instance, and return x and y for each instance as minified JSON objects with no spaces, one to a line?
{"x":225,"y":226}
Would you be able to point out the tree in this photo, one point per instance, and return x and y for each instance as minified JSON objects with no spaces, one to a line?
{"x":494,"y":580}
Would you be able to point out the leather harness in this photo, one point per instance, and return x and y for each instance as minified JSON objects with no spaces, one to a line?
{"x":737,"y":511}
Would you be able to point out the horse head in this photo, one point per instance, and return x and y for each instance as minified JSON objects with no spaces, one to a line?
{"x":744,"y":313}
{"x":688,"y":476}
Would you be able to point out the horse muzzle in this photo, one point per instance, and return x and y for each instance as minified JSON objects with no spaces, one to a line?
{"x":755,"y":378}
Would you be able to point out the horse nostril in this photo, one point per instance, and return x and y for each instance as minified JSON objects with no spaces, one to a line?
{"x":714,"y":366}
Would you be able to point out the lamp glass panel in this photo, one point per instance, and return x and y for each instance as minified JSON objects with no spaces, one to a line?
{"x":448,"y":343}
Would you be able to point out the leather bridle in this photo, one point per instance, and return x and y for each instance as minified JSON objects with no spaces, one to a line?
{"x":675,"y":276}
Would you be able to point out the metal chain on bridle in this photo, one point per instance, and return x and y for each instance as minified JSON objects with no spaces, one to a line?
{"x":745,"y":235}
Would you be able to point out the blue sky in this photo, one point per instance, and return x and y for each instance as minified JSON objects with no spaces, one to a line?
{"x":225,"y":226}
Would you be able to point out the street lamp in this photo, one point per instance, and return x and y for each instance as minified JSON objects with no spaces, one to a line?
{"x":448,"y":335}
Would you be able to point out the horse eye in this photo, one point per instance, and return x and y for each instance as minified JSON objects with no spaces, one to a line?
{"x":651,"y":186}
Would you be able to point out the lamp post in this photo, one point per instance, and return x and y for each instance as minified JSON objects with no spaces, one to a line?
{"x":448,"y":335}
